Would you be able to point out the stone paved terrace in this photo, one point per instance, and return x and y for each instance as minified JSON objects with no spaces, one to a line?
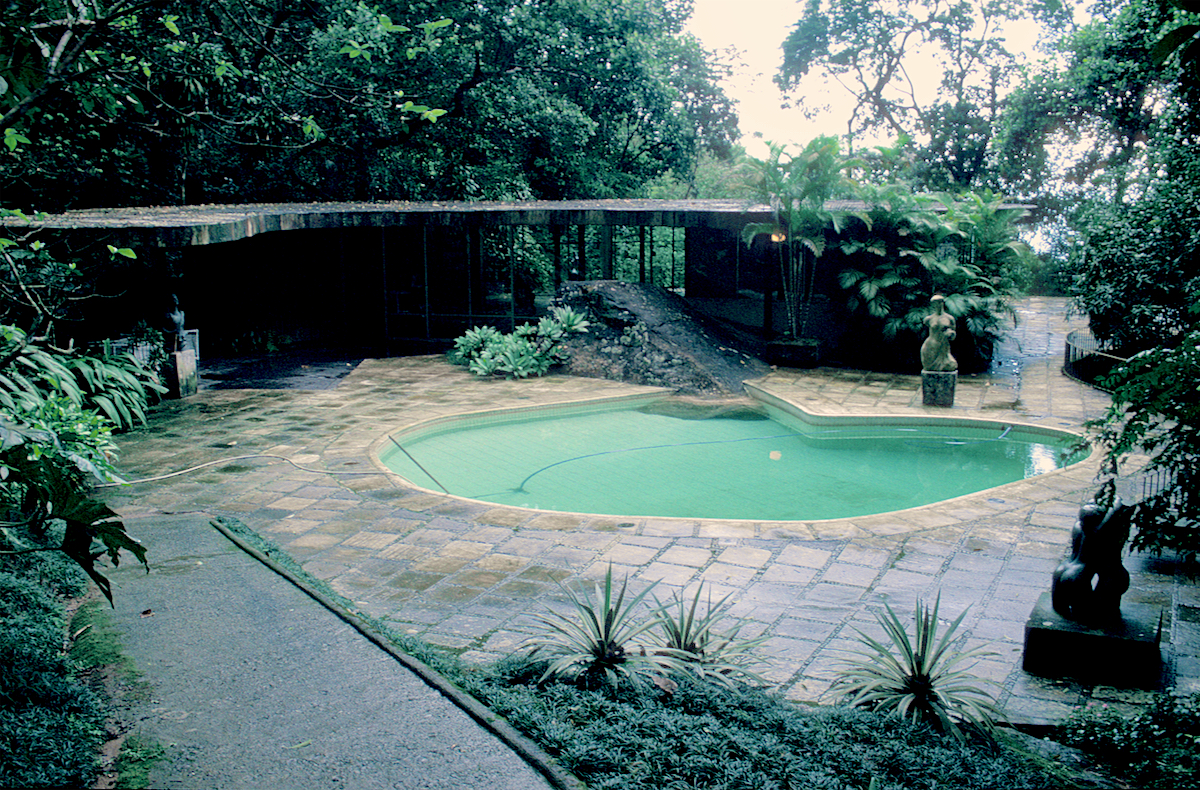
{"x":468,"y":575}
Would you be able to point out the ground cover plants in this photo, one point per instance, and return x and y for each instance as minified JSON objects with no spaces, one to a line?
{"x":713,"y":736}
{"x":1154,"y":749}
{"x":51,"y":725}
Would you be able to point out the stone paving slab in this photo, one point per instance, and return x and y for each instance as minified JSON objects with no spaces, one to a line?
{"x":467,"y":575}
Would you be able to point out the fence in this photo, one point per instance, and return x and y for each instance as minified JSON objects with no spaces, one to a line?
{"x":1087,"y":360}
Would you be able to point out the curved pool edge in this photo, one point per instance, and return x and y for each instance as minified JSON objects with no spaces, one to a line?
{"x":894,"y":523}
{"x":760,"y":394}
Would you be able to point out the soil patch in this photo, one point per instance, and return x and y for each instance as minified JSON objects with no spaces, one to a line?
{"x":646,"y":334}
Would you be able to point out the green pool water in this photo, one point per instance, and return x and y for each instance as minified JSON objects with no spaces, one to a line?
{"x":672,"y":460}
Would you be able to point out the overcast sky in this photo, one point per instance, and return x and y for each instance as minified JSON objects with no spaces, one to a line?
{"x":757,"y":28}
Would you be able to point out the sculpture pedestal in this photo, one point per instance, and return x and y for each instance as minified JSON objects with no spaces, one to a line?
{"x":937,"y":387}
{"x":1123,"y":653}
{"x":179,"y":372}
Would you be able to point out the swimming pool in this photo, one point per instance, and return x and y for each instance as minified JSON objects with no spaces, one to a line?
{"x":669,"y":458}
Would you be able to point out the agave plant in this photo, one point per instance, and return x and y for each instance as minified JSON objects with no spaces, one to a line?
{"x":595,"y":645}
{"x":468,"y":345}
{"x":920,"y":677}
{"x":693,"y":638}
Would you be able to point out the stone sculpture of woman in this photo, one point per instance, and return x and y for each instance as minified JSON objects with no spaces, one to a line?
{"x":175,"y":337}
{"x":935,"y":351}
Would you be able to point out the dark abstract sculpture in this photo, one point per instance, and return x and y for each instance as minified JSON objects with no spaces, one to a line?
{"x":1088,"y":585}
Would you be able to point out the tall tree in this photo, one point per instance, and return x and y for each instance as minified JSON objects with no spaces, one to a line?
{"x":874,"y":48}
{"x":562,"y":99}
{"x":117,"y":102}
{"x":1086,"y":122}
{"x":1110,"y":136}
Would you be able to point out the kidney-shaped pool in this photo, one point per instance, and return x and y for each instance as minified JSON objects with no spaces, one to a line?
{"x":755,"y":461}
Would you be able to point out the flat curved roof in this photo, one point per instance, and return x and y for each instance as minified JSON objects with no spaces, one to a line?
{"x":183,"y":226}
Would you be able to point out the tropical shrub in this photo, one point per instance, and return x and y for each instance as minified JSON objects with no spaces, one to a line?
{"x":116,"y":385}
{"x":1137,"y":280}
{"x":798,"y":189}
{"x":530,"y":350}
{"x":1155,"y":412}
{"x":51,"y":725}
{"x":902,"y":248}
{"x":889,"y":252}
{"x":919,"y":677}
{"x":1134,"y":260}
{"x":1154,"y":748}
{"x":53,"y":451}
{"x":28,"y":371}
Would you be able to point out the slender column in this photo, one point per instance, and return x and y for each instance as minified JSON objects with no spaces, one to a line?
{"x":606,"y":252}
{"x":581,"y":249}
{"x":641,"y":253}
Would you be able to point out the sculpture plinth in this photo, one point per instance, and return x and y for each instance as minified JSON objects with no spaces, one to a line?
{"x":937,"y":387}
{"x":1122,"y":652}
{"x":180,"y":373}
{"x":1080,"y":629}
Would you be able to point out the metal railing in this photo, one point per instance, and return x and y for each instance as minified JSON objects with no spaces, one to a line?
{"x":1086,"y":359}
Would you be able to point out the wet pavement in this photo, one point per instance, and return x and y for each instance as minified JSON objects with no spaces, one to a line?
{"x":307,"y":370}
{"x":468,"y":575}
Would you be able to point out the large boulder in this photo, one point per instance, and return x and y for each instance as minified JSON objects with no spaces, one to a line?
{"x":646,"y":334}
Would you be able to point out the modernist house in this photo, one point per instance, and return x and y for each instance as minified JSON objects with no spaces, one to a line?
{"x":395,"y":278}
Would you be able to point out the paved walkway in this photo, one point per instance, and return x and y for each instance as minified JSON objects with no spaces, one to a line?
{"x":467,"y":575}
{"x":267,"y":688}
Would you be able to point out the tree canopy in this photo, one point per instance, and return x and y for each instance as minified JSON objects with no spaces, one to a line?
{"x":873,"y":50}
{"x":154,"y":101}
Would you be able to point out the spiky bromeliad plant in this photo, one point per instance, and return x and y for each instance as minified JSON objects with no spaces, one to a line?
{"x":920,"y":677}
{"x":594,"y":646}
{"x":693,"y":637}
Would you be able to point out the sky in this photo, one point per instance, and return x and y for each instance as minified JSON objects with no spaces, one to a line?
{"x":757,"y":28}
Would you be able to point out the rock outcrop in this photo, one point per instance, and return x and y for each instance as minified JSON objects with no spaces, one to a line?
{"x":646,"y":334}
